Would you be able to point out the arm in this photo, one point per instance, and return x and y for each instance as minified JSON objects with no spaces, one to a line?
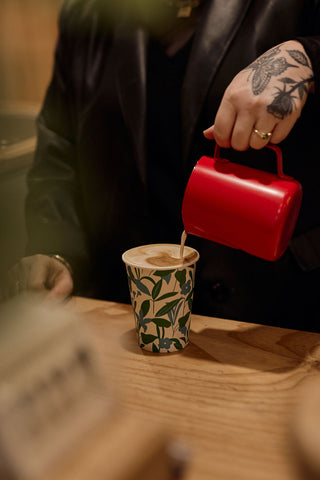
{"x":53,"y":205}
{"x":268,"y":96}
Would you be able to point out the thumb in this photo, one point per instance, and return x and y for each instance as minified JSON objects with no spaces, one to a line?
{"x":62,"y":285}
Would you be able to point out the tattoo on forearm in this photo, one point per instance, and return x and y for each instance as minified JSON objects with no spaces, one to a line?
{"x":268,"y":66}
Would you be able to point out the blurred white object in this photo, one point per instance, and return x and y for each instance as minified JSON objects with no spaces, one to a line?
{"x":51,"y":389}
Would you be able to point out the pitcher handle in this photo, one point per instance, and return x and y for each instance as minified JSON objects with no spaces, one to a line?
{"x":278,"y":152}
{"x":273,"y":147}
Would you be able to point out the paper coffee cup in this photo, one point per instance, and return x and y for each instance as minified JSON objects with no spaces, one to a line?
{"x":161,"y":288}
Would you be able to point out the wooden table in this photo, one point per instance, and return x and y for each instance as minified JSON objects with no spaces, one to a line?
{"x":230,"y":395}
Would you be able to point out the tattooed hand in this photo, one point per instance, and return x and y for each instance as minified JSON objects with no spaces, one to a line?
{"x":268,"y":96}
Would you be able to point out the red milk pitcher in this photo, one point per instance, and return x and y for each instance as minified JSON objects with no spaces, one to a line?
{"x":242,"y":207}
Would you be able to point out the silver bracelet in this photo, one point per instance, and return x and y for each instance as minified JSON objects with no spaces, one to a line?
{"x":63,"y":261}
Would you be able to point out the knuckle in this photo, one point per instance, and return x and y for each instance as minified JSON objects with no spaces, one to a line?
{"x":221,"y":135}
{"x":241,"y":99}
{"x":39,"y":257}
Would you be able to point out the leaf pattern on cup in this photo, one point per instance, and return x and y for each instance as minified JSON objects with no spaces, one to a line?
{"x":162,"y":302}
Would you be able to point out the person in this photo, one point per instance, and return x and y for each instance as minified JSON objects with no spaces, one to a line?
{"x":132,"y":105}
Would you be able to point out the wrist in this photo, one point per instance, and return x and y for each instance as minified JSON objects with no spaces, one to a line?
{"x":63,"y":261}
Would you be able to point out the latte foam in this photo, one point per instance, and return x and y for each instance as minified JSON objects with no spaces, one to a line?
{"x":160,"y":255}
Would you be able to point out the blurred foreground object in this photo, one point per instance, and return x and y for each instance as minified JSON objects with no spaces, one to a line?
{"x":17,"y":145}
{"x":51,"y":391}
{"x":59,"y":417}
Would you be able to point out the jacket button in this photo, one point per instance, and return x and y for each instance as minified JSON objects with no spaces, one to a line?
{"x":220,"y":292}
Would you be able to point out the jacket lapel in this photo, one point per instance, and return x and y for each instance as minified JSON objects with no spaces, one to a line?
{"x":214,"y":35}
{"x":131,"y":74}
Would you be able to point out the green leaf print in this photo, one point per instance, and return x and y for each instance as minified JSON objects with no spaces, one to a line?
{"x":149,"y":279}
{"x":181,"y":276}
{"x":166,"y":308}
{"x":183,"y":320}
{"x":137,"y":282}
{"x":163,"y":273}
{"x":142,"y":287}
{"x":156,"y":289}
{"x":148,"y":338}
{"x":161,"y":322}
{"x":177,"y":344}
{"x":190,"y":295}
{"x":145,"y":306}
{"x":155,"y":349}
{"x":130,"y":274}
{"x":167,"y":295}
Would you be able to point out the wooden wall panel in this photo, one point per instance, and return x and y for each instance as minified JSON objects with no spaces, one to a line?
{"x":28,"y":31}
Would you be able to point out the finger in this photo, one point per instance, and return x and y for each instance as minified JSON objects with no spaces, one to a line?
{"x":262,"y":133}
{"x":62,"y":285}
{"x":38,"y":273}
{"x":224,"y":122}
{"x":242,"y":131}
{"x":209,"y":133}
{"x":282,"y":130}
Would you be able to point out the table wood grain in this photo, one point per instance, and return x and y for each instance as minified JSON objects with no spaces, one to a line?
{"x":231,"y":395}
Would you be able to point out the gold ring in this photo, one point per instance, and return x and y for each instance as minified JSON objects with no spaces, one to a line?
{"x":262,"y":135}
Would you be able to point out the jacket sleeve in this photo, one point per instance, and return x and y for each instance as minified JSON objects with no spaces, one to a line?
{"x":54,"y":218}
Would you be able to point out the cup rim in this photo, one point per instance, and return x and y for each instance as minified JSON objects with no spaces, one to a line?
{"x":155,"y":267}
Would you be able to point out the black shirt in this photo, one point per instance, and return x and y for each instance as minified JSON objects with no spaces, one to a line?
{"x":164,"y":143}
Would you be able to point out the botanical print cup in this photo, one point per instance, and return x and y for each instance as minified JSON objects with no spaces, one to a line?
{"x":161,"y":285}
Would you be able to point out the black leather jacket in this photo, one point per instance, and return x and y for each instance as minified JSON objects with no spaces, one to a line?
{"x":87,"y":189}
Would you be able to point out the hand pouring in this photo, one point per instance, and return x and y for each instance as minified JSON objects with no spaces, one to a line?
{"x":242,"y":207}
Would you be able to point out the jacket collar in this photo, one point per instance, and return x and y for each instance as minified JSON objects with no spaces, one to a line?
{"x":214,"y":35}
